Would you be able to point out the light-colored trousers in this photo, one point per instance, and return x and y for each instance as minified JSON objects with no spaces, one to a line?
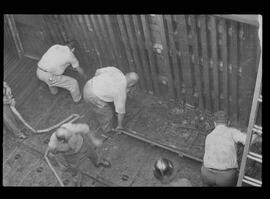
{"x":62,"y":81}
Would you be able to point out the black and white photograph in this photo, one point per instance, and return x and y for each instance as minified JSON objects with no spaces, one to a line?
{"x":132,"y":100}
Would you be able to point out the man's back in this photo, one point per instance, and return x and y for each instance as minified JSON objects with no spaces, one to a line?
{"x":57,"y":58}
{"x":109,"y":83}
{"x":220,"y":148}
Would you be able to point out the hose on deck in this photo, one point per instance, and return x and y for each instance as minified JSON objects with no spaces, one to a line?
{"x":76,"y":116}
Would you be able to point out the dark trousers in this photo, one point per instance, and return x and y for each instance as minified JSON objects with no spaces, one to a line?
{"x":222,"y":178}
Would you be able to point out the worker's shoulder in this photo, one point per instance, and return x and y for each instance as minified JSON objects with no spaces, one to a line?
{"x":59,"y":48}
{"x":113,"y":69}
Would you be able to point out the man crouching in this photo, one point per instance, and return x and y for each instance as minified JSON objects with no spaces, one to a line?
{"x":76,"y":142}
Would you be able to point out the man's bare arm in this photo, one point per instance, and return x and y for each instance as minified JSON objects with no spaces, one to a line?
{"x":81,"y":72}
{"x":120,"y":118}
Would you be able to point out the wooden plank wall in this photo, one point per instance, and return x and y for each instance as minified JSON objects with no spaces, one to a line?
{"x":204,"y":61}
{"x":8,"y":40}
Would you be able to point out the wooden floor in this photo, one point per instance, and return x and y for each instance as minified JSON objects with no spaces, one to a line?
{"x":23,"y":162}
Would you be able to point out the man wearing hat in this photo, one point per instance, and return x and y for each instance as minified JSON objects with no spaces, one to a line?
{"x":220,"y":167}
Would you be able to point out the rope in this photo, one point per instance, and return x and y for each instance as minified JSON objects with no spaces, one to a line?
{"x":21,"y":118}
{"x":76,"y":116}
{"x":53,"y":170}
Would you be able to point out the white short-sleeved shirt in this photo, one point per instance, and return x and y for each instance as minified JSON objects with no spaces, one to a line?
{"x":57,"y":59}
{"x":220,"y":148}
{"x":110,"y":86}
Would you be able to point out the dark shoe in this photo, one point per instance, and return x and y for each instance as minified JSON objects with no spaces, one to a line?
{"x":104,"y":163}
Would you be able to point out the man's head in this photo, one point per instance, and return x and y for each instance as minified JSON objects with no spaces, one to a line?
{"x":221,"y":117}
{"x":132,"y":78}
{"x":163,"y":170}
{"x":71,"y":45}
{"x":62,"y":134}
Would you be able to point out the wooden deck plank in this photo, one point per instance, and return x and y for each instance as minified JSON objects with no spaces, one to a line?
{"x":11,"y":78}
{"x":10,"y":67}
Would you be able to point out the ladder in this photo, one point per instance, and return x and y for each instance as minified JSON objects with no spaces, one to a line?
{"x":252,"y":128}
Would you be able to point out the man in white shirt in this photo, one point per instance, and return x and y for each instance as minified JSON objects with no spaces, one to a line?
{"x":220,"y":167}
{"x":109,"y":85}
{"x":52,"y":66}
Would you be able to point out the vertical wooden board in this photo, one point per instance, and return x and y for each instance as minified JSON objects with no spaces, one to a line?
{"x":66,"y":26}
{"x":15,"y":34}
{"x":101,"y":42}
{"x":97,"y":48}
{"x":82,"y":41}
{"x":247,"y":44}
{"x":114,"y":41}
{"x":126,"y":46}
{"x":80,"y":50}
{"x":205,"y":62}
{"x":233,"y":66}
{"x":106,"y":40}
{"x":135,"y":52}
{"x":92,"y":63}
{"x":61,"y":27}
{"x":166,"y":60}
{"x":214,"y":62}
{"x":148,"y":44}
{"x":198,"y":80}
{"x":57,"y":29}
{"x":54,"y":29}
{"x":145,"y":65}
{"x":173,"y":53}
{"x":224,"y":55}
{"x":185,"y":57}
